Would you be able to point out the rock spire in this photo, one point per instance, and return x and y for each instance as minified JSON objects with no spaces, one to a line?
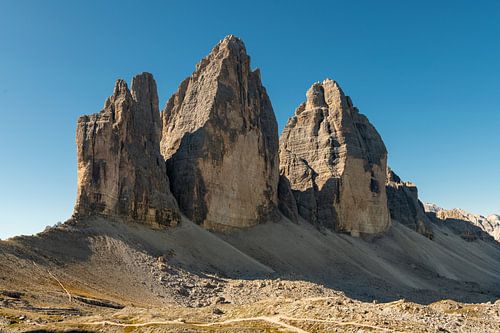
{"x":335,"y":162}
{"x":121,"y":173}
{"x":220,"y":142}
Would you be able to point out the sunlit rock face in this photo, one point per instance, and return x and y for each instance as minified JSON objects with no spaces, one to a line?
{"x":121,"y":173}
{"x":220,"y":142}
{"x":335,"y":162}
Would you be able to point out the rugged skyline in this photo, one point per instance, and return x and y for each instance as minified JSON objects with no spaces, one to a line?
{"x":213,"y":155}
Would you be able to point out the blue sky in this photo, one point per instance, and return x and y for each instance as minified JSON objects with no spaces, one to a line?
{"x":426,"y":73}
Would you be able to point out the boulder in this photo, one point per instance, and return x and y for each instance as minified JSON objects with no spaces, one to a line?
{"x":335,"y":162}
{"x":220,"y":142}
{"x":121,"y":173}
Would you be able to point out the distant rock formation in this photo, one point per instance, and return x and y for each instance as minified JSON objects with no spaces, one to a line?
{"x":469,"y":226}
{"x":494,"y":226}
{"x":220,"y":141}
{"x":121,"y":172}
{"x":336,"y":163}
{"x":404,"y":206}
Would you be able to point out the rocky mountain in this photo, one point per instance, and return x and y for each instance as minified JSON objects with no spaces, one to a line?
{"x":266,"y":234}
{"x":335,"y":162}
{"x":220,"y":141}
{"x":464,"y":222}
{"x":121,"y":172}
{"x":404,"y":205}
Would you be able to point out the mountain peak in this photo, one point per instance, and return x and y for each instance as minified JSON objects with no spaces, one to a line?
{"x":121,"y":88}
{"x":229,"y":46}
{"x":219,"y":121}
{"x":335,"y":162}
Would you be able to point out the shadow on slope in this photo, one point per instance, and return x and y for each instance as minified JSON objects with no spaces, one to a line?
{"x":99,"y":257}
{"x":402,"y":264}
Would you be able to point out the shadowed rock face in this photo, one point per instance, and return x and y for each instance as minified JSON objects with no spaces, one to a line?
{"x":404,"y":206}
{"x":335,"y":162}
{"x":286,"y":200}
{"x":121,"y":172}
{"x":220,"y":142}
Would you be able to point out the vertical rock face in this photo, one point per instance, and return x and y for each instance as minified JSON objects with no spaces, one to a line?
{"x":220,"y":142}
{"x":335,"y":162}
{"x":404,"y":206}
{"x":121,"y":172}
{"x":286,"y":200}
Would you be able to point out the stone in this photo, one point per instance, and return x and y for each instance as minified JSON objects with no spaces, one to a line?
{"x":404,"y":205}
{"x":217,"y":311}
{"x":121,"y":173}
{"x":335,"y":161}
{"x":220,"y":142}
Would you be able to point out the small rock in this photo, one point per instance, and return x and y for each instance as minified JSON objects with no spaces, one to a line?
{"x":217,"y":311}
{"x":183,"y":292}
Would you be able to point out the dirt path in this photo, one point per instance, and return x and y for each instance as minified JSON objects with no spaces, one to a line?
{"x":276,"y":320}
{"x":339,"y":323}
{"x":272,"y":320}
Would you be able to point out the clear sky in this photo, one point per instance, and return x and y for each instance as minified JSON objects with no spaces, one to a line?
{"x":426,"y":73}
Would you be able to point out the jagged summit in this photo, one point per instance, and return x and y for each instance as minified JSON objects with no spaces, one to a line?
{"x":315,"y":96}
{"x":231,"y":40}
{"x":229,"y":47}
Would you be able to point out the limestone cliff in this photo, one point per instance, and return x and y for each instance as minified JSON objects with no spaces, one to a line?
{"x":404,"y":205}
{"x":336,"y":163}
{"x":121,"y":172}
{"x":220,"y":142}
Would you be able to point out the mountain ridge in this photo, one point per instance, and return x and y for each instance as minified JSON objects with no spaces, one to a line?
{"x":489,"y":224}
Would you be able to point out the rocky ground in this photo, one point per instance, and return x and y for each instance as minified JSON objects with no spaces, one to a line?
{"x":215,"y":304}
{"x":102,"y":276}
